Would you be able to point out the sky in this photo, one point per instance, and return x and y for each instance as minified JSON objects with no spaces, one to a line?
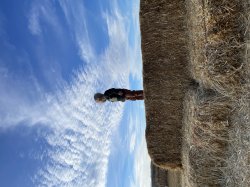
{"x":54,"y":55}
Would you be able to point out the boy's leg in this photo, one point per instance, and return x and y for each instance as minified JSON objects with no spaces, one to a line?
{"x":139,"y":97}
{"x":138,"y":92}
{"x":134,"y":95}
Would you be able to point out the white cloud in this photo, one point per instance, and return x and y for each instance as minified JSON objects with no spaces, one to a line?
{"x":42,"y":11}
{"x":81,"y":134}
{"x":142,"y":167}
{"x":136,"y":60}
{"x":134,"y":127}
{"x":81,"y":129}
{"x":132,"y":142}
{"x":75,"y":15}
{"x":34,"y":22}
{"x":141,"y":171}
{"x":16,"y":95}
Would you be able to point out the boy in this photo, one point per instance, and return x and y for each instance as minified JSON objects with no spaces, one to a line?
{"x":116,"y":94}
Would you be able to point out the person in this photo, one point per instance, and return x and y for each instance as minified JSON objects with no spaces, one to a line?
{"x":118,"y":94}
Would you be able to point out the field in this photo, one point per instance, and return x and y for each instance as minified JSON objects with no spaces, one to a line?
{"x":196,"y":56}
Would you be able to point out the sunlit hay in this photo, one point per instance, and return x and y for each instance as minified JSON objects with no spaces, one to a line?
{"x":217,"y":44}
{"x":165,"y":77}
{"x":238,"y":172}
{"x":206,"y":138}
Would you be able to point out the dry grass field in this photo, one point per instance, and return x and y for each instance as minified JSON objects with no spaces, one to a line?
{"x":202,"y":130}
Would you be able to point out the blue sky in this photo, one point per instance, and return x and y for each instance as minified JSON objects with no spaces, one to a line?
{"x":54,"y":55}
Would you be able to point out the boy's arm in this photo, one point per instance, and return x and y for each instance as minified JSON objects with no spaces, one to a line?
{"x":109,"y":92}
{"x":115,"y":93}
{"x":118,"y":97}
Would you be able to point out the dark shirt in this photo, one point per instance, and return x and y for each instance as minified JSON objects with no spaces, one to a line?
{"x":115,"y":94}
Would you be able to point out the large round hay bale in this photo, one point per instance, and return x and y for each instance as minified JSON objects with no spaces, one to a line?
{"x":217,"y":30}
{"x":165,"y":76}
{"x":206,"y":138}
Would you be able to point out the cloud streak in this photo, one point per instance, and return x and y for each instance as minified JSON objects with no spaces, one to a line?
{"x":81,"y":134}
{"x":80,"y":130}
{"x":75,"y":15}
{"x":42,"y":12}
{"x":34,"y":22}
{"x":141,"y":168}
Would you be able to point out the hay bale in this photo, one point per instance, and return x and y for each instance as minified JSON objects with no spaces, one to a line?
{"x":165,"y":77}
{"x":206,"y":138}
{"x":216,"y":129}
{"x":217,"y":31}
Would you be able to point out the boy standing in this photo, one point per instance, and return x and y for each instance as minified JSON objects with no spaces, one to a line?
{"x":117,"y":94}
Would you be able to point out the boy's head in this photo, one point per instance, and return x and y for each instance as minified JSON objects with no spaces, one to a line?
{"x":99,"y":98}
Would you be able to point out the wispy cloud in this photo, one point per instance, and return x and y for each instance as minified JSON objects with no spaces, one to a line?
{"x":80,"y":129}
{"x":132,"y":142}
{"x":142,"y":167}
{"x":141,"y":172}
{"x":42,"y":12}
{"x":34,"y":22}
{"x":81,"y":135}
{"x":136,"y":58}
{"x":80,"y":138}
{"x":17,"y":94}
{"x":75,"y":14}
